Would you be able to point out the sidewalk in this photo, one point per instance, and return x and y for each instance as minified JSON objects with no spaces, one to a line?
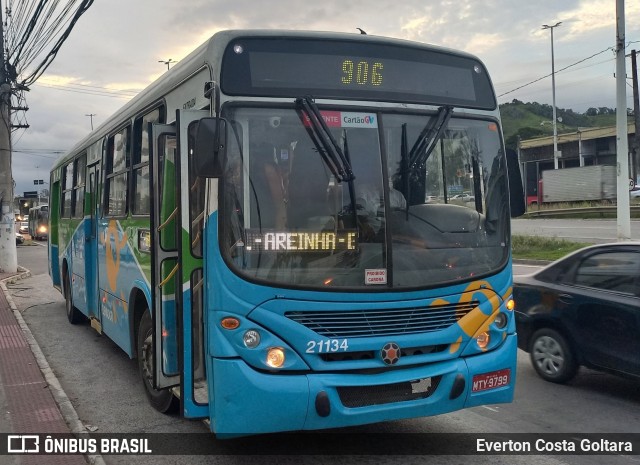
{"x":28,"y":389}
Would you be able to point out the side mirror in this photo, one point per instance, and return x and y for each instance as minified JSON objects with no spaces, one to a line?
{"x":516,"y":192}
{"x":211,"y":137}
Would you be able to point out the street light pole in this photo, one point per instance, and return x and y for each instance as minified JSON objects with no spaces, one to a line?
{"x":622,"y":138}
{"x":553,"y":90}
{"x":167,"y":62}
{"x":91,"y":115}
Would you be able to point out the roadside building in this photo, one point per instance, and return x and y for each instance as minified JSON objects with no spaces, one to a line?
{"x":585,"y":147}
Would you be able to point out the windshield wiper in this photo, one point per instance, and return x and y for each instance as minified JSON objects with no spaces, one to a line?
{"x":328,"y":148}
{"x":429,"y":137}
{"x":339,"y":162}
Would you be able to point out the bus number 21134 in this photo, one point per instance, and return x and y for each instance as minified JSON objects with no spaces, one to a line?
{"x":330,"y":345}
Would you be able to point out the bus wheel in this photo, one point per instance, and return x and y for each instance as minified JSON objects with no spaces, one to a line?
{"x":73,"y":314}
{"x":162,"y":400}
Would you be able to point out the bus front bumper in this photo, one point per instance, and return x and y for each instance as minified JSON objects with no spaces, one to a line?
{"x":252,"y":402}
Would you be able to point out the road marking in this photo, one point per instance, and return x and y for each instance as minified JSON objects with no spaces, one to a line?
{"x":490,"y":408}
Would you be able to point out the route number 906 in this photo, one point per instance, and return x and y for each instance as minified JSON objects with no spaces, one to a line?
{"x":362,"y":73}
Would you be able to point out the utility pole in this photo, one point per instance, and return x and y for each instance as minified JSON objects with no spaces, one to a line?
{"x":556,"y":155}
{"x":635,"y":163}
{"x":8,"y":252}
{"x":622,"y":137}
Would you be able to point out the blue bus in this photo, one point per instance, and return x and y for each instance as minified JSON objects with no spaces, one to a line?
{"x":270,"y":229}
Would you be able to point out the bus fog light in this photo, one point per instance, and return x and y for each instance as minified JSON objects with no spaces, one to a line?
{"x":483,"y":340}
{"x":275,"y":357}
{"x":251,"y":339}
{"x":501,"y":320}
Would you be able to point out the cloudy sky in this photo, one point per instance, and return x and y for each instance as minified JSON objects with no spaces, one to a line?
{"x":114,"y":50}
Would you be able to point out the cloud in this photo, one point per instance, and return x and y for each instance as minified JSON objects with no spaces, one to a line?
{"x":117,"y":44}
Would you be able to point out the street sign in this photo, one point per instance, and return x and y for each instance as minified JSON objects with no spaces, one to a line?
{"x":30,"y":194}
{"x":38,"y":181}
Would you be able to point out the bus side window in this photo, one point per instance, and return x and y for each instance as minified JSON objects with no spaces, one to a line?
{"x":141,"y":198}
{"x":78,"y":188}
{"x":117,"y":173}
{"x":67,"y":191}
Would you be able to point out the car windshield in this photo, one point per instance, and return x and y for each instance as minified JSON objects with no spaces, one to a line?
{"x":410,"y":218}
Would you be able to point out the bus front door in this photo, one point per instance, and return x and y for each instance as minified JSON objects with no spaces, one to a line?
{"x":177,"y":265}
{"x":91,"y":245}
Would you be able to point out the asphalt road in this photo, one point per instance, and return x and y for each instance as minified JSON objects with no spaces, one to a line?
{"x":103,"y":385}
{"x":593,"y":231}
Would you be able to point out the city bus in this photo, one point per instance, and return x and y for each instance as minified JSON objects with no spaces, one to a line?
{"x":270,"y":230}
{"x":39,"y":222}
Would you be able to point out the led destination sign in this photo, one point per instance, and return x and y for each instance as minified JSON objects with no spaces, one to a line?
{"x":295,"y":67}
{"x":300,"y":241}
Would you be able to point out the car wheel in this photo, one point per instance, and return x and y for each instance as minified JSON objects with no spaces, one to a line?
{"x":162,"y":400}
{"x":74,"y":315}
{"x":552,"y":357}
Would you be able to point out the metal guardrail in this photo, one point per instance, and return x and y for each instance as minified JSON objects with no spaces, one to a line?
{"x":582,"y":211}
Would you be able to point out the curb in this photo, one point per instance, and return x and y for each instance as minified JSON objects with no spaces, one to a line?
{"x":64,"y":404}
{"x":531,"y":261}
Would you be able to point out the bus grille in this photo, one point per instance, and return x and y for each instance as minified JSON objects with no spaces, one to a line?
{"x":364,"y":396}
{"x":386,"y":322}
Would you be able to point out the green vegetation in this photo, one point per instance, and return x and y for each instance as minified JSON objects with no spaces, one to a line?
{"x":532,"y":119}
{"x":542,"y":248}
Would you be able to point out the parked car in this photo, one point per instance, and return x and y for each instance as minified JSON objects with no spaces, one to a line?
{"x":635,"y":192}
{"x":19,"y":238}
{"x":24,"y":227}
{"x":464,"y":197}
{"x":583,"y":309}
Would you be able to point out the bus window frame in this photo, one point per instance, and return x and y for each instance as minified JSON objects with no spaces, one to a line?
{"x":77,"y":186}
{"x":139,"y":128}
{"x":67,"y":189}
{"x":109,"y":174}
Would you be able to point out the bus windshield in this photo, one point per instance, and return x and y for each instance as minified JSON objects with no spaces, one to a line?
{"x":427,"y":205}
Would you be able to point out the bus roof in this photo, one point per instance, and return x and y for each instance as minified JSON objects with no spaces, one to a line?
{"x":211,"y":51}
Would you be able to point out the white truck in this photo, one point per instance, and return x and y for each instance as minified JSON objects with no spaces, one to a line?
{"x":597,"y":182}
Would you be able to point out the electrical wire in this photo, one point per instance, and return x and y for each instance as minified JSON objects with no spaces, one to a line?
{"x":32,"y":26}
{"x":556,"y":72}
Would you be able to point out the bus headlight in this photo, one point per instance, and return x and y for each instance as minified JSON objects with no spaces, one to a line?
{"x":501,"y":320}
{"x":251,"y":339}
{"x":42,"y":229}
{"x":275,"y":357}
{"x":483,"y":340}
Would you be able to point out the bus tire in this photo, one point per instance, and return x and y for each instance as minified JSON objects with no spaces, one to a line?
{"x":74,"y":315}
{"x":162,"y":400}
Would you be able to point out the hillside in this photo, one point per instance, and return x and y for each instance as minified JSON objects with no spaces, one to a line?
{"x":533,"y":119}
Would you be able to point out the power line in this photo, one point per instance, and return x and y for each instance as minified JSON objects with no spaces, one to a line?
{"x":89,"y":91}
{"x":560,"y":70}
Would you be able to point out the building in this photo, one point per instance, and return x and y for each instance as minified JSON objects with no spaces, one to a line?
{"x":587,"y":146}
